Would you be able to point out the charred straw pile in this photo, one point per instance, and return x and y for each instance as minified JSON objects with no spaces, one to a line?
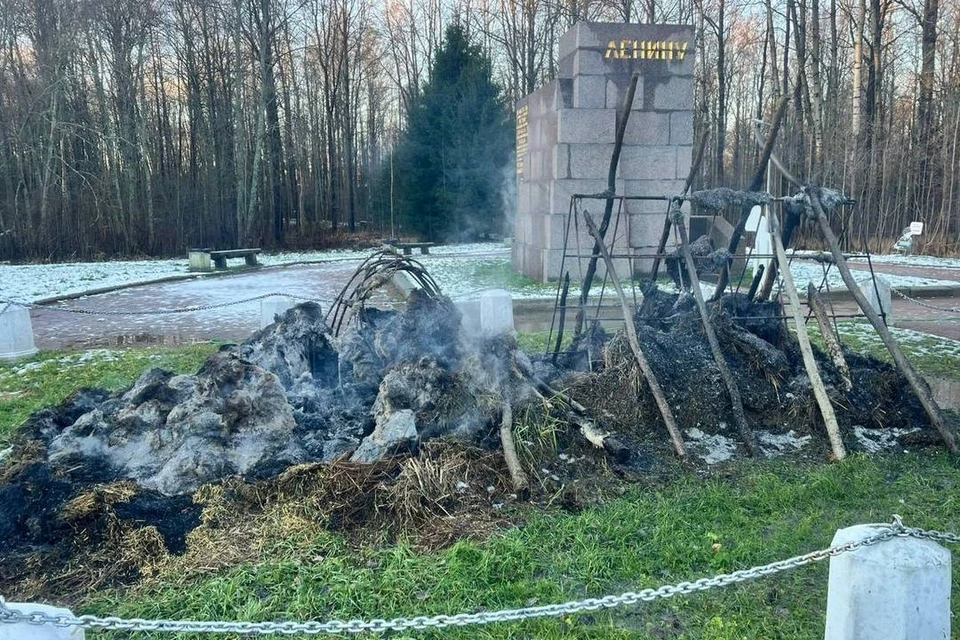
{"x":398,"y":419}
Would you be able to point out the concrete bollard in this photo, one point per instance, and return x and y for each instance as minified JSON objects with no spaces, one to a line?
{"x":487,"y":315}
{"x":26,"y":631}
{"x":883,"y":304}
{"x":16,"y":333}
{"x":898,"y":589}
{"x":496,"y":312}
{"x":199,"y":260}
{"x":270,"y":308}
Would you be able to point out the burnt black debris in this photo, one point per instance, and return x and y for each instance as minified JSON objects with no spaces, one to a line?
{"x":290,"y":394}
{"x":293,"y":393}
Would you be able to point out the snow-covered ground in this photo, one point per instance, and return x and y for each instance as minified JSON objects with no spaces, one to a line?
{"x":27,"y":283}
{"x":913,"y":261}
{"x":459,"y":269}
{"x":804,"y":272}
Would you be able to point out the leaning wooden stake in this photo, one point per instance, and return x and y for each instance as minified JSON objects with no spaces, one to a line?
{"x":519,"y":478}
{"x":809,"y":362}
{"x":687,"y":185}
{"x":830,"y":337}
{"x":563,"y":316}
{"x":623,"y":115}
{"x":755,"y":184}
{"x":732,"y":390}
{"x":665,"y":411}
{"x":916,"y":383}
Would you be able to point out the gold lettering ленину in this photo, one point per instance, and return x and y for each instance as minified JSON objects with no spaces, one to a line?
{"x":645,"y":50}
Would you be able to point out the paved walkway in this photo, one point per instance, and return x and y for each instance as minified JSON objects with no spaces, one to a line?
{"x":55,"y":329}
{"x":939,"y":273}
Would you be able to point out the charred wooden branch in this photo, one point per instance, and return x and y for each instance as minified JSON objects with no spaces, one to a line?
{"x":733,"y":391}
{"x":755,"y":185}
{"x":919,"y":387}
{"x":809,"y":362}
{"x":830,"y":337}
{"x":521,"y":485}
{"x":665,"y":411}
{"x":623,"y":115}
{"x":563,"y":316}
{"x":687,"y":185}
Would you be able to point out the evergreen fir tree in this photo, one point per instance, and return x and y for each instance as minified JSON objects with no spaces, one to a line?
{"x":450,"y":164}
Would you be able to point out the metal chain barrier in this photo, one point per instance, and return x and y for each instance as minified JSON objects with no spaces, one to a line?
{"x":924,"y":304}
{"x":159,"y":312}
{"x":379,"y":625}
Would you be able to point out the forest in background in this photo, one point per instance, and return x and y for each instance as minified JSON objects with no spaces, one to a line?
{"x":144,"y":127}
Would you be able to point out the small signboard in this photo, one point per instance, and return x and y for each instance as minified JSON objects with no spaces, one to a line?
{"x":916,"y":228}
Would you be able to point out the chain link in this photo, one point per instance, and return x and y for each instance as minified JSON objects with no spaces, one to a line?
{"x":162,"y":312}
{"x":380,"y":625}
{"x":925,"y":304}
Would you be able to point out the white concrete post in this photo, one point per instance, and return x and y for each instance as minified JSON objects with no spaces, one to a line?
{"x":883,"y":303}
{"x":272,"y":307}
{"x":496,"y":312}
{"x":16,"y":333}
{"x":898,"y":589}
{"x":26,"y":631}
{"x":199,"y":260}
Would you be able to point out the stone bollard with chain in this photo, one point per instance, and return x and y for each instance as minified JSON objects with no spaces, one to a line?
{"x":898,"y":590}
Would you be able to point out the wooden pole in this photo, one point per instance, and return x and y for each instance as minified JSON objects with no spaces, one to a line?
{"x":563,"y":316}
{"x":732,"y":390}
{"x":809,"y":362}
{"x":755,"y":185}
{"x":665,"y":411}
{"x":830,"y":338}
{"x":622,"y":117}
{"x":520,"y":483}
{"x":665,"y":234}
{"x":916,"y":382}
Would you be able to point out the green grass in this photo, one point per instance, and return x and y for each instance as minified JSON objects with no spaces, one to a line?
{"x":933,"y":356}
{"x":757,"y":513}
{"x":48,"y":378}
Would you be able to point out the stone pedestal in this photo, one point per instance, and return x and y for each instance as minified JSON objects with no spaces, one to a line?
{"x":566,"y":132}
{"x":487,"y":315}
{"x":25,"y":631}
{"x":879,"y":297}
{"x":898,"y":589}
{"x":16,"y":333}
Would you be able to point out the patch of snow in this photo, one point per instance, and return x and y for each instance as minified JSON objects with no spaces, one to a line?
{"x":913,"y":261}
{"x":804,"y":272}
{"x":775,"y":444}
{"x":711,"y":449}
{"x":877,"y":440}
{"x":31,"y":282}
{"x":920,"y":344}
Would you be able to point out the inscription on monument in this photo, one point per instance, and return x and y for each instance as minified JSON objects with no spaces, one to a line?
{"x":645,"y":50}
{"x":521,"y":138}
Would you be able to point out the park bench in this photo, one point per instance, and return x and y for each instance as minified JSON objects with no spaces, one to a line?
{"x":200,"y":258}
{"x":408,"y":247}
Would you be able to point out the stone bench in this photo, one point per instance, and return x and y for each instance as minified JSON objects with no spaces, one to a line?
{"x":200,"y":258}
{"x":408,"y":247}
